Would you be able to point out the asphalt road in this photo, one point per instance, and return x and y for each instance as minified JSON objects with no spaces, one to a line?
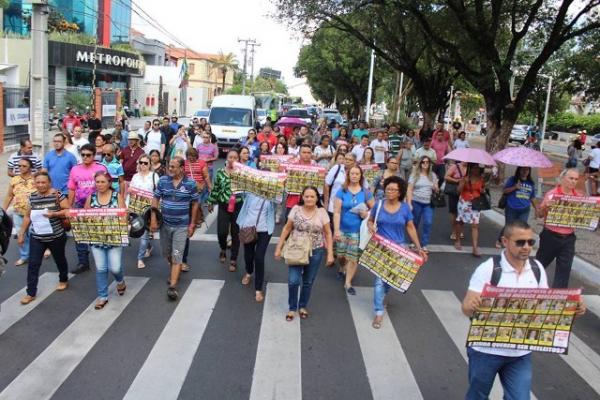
{"x":217,"y":343}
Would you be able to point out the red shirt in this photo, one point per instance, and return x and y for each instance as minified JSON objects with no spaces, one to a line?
{"x":69,"y":123}
{"x":441,"y":149}
{"x":195,"y":170}
{"x":294,"y":199}
{"x":129,"y":158}
{"x":270,"y":138}
{"x":562,"y":230}
{"x":445,"y":132}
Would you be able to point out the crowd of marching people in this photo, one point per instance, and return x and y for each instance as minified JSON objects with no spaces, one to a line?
{"x":177,"y":164}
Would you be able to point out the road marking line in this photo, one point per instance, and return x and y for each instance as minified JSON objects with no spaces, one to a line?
{"x":592,"y":302}
{"x":444,"y":248}
{"x":164,"y":371}
{"x":388,"y":370}
{"x":447,"y":308}
{"x":277,"y":369}
{"x":11,"y":309}
{"x":40,"y":379}
{"x":584,"y":361}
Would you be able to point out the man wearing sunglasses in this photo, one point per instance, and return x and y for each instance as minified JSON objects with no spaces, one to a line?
{"x":515,"y":270}
{"x":82,"y":184}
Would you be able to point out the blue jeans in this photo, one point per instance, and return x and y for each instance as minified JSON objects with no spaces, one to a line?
{"x":107,"y":259}
{"x":381,"y":289}
{"x":83,"y":250}
{"x":23,"y":250}
{"x":306,"y":274}
{"x":515,"y":375}
{"x":144,"y":245}
{"x":425,"y":211}
{"x":513,"y":214}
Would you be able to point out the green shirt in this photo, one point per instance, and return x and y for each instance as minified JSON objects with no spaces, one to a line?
{"x":221,"y":189}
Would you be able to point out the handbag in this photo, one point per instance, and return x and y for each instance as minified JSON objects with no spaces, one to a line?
{"x":482,"y":202}
{"x":65,"y":222}
{"x":248,"y":234}
{"x":438,"y":200}
{"x":451,"y":188}
{"x":297,"y":250}
{"x":365,"y":234}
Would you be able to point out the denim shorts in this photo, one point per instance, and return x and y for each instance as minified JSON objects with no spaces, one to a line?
{"x":172,"y":242}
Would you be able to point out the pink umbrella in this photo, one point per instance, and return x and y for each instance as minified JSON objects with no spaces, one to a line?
{"x":290,"y":121}
{"x":523,"y":157}
{"x":470,"y":155}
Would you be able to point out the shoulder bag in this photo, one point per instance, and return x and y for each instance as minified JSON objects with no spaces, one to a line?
{"x":297,"y":249}
{"x":482,"y":202}
{"x":438,"y":200}
{"x":365,"y":235}
{"x":64,"y":221}
{"x":451,"y":188}
{"x":249,"y":234}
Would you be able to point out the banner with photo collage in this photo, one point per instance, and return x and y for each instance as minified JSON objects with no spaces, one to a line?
{"x":275,"y":163}
{"x":580,"y":212}
{"x":391,"y":262}
{"x":524,"y":319}
{"x":100,"y":226}
{"x":139,"y":200}
{"x":266,"y":184}
{"x":370,"y":172}
{"x":301,"y":176}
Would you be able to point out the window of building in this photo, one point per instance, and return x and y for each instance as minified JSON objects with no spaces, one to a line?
{"x":191,"y":68}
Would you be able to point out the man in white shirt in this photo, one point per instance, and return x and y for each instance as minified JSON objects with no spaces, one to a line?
{"x":425,"y":150}
{"x":594,"y":167}
{"x":380,"y":148}
{"x":513,"y":366}
{"x":155,"y":139}
{"x":359,"y":150}
{"x":78,"y":142}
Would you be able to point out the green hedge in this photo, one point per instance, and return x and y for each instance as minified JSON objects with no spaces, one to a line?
{"x":568,"y":122}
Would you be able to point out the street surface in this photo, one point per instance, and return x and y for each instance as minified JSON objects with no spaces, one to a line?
{"x":217,"y":343}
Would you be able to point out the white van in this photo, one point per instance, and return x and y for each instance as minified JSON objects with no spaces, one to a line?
{"x":231,"y":116}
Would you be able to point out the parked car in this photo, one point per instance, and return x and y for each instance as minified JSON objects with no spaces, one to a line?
{"x":202,"y":113}
{"x":301,"y":113}
{"x":594,"y":140}
{"x":518,"y":134}
{"x":330,"y":114}
{"x":261,"y":116}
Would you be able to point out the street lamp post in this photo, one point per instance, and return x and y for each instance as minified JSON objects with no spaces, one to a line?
{"x":370,"y":90}
{"x":546,"y":111}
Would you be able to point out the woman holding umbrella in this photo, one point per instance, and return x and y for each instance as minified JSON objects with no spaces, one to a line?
{"x":470,"y":188}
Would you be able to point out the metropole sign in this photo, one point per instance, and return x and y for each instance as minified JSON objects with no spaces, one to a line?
{"x":108,"y":59}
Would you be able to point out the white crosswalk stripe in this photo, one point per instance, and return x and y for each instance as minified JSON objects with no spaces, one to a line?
{"x":165,"y":369}
{"x":49,"y":370}
{"x":446,"y":306}
{"x":592,"y":303}
{"x":11,"y":310}
{"x":277,"y":369}
{"x":387,"y":368}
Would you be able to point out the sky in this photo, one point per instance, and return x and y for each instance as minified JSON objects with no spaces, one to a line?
{"x":212,"y":26}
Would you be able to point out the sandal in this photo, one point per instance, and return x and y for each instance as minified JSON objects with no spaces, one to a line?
{"x":289,"y":316}
{"x":246,"y":279}
{"x":121,"y":288}
{"x":100,"y":304}
{"x":20,"y":262}
{"x":453,"y":237}
{"x":232,"y":266}
{"x":476,"y":254}
{"x":222,"y":256}
{"x":303,"y":313}
{"x":457,"y":245}
{"x":259,"y":296}
{"x":377,"y":322}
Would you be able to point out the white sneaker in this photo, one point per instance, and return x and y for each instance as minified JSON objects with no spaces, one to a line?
{"x":141,"y":264}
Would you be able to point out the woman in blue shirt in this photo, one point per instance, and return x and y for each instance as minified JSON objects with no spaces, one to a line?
{"x":393,"y":219}
{"x":245,"y":157}
{"x":260,"y":213}
{"x":251,"y":143}
{"x":351,"y":205}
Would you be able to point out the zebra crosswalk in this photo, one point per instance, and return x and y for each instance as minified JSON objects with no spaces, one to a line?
{"x":282,"y":358}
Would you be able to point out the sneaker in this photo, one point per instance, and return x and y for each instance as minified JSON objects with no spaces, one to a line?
{"x":340,"y":276}
{"x":80,"y":268}
{"x":185,"y":267}
{"x":351,"y":291}
{"x":277,"y":219}
{"x":172,"y":293}
{"x":27,"y":299}
{"x":62,"y":286}
{"x":141,"y":264}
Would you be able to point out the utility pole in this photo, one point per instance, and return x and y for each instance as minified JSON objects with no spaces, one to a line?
{"x":370,"y":90}
{"x":246,"y":43}
{"x":38,"y":105}
{"x":253,"y":45}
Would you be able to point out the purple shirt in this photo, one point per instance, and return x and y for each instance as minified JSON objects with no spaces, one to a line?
{"x":207,"y":151}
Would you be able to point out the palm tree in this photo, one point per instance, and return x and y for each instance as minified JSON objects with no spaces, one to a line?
{"x":225,"y":62}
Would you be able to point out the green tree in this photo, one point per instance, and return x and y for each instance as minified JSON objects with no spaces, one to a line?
{"x":225,"y":63}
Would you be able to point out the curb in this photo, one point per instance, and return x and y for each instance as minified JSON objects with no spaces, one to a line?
{"x":584,"y":269}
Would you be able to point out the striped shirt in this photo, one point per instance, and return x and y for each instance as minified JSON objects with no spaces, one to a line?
{"x":175,"y":201}
{"x":51,"y":202}
{"x":13,"y":162}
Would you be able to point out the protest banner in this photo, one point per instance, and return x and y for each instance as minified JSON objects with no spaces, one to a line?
{"x":574,"y":212}
{"x":391,"y":262}
{"x":139,"y":200}
{"x":300,"y":176}
{"x":266,"y":184}
{"x":524,"y":319}
{"x":275,"y":163}
{"x":370,"y":172}
{"x":100,"y":226}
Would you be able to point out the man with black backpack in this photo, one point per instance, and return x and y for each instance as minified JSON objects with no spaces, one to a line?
{"x":513,"y":268}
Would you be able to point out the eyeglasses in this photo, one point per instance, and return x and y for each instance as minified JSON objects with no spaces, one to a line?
{"x":521,"y":242}
{"x":156,"y":124}
{"x":87,"y":154}
{"x":389,"y":189}
{"x":425,"y":162}
{"x":143,"y":162}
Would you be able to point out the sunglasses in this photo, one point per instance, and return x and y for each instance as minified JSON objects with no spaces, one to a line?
{"x":521,"y":242}
{"x":107,"y":154}
{"x":143,"y":163}
{"x":87,"y":154}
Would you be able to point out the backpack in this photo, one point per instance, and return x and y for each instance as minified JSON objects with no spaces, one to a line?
{"x":497,"y":271}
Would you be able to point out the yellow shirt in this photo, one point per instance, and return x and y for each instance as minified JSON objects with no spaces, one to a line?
{"x":22,"y":188}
